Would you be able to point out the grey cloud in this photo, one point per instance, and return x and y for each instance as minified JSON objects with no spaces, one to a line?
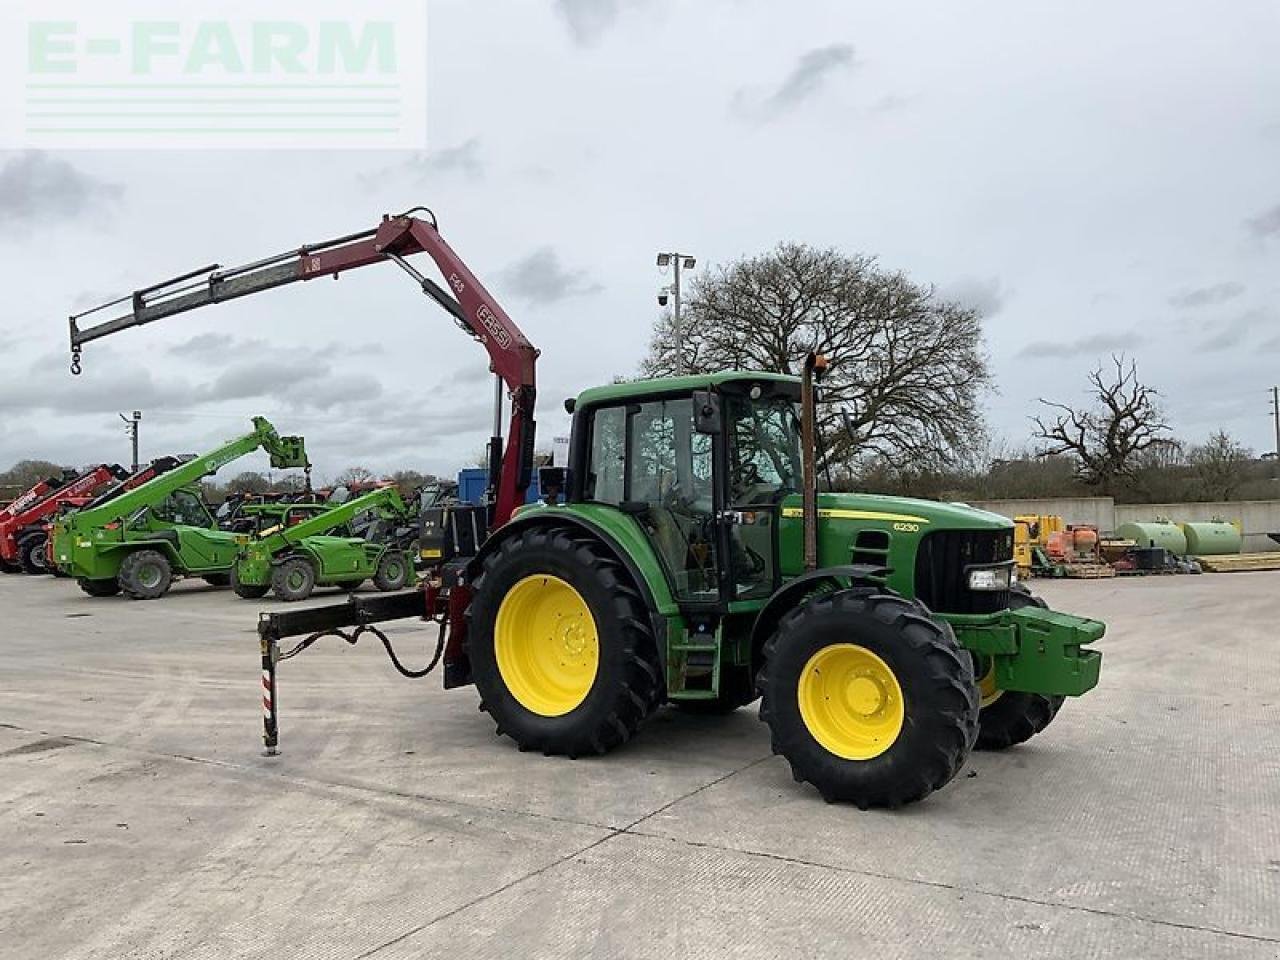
{"x":1265,"y":224}
{"x":35,"y":185}
{"x":983,"y":295}
{"x":1097,"y":343}
{"x":588,"y":20}
{"x":1208,"y":296}
{"x":465,"y":159}
{"x":1234,"y":332}
{"x":806,"y":78}
{"x":216,"y":348}
{"x":540,"y":277}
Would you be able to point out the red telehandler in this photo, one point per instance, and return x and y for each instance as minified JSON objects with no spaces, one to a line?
{"x":24,"y":535}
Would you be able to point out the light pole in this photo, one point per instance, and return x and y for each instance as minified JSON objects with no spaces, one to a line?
{"x":132,"y":426}
{"x":677,"y":260}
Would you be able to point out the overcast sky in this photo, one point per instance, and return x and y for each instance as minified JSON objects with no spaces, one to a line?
{"x":1096,"y":177}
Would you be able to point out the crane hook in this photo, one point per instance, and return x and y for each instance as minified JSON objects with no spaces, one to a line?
{"x":75,"y":361}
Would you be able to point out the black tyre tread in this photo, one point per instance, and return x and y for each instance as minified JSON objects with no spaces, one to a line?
{"x":29,"y":548}
{"x":280,"y":580}
{"x":384,"y":583}
{"x":1014,"y":717}
{"x":99,"y":588}
{"x":641,"y":690}
{"x":127,"y":576}
{"x":957,"y":700}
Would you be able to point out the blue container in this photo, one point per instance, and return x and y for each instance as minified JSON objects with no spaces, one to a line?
{"x":474,"y":481}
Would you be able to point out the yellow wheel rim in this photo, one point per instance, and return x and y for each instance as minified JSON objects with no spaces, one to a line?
{"x":546,"y":645}
{"x":851,"y":701}
{"x":988,"y":692}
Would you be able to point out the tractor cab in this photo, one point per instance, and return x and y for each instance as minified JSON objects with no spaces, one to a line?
{"x":703,"y":465}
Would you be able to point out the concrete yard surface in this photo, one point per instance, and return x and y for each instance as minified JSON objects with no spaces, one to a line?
{"x":139,"y":819}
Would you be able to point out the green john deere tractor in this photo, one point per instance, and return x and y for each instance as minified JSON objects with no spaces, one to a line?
{"x":141,"y":541}
{"x":291,"y":560}
{"x":694,"y":561}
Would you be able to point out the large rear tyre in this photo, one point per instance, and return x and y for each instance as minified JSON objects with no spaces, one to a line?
{"x":293,"y":580}
{"x":868,"y":699}
{"x":145,"y":575}
{"x":1009,"y":718}
{"x":247,"y":591}
{"x":99,"y":588}
{"x":33,"y":554}
{"x":560,"y":644}
{"x":393,"y":571}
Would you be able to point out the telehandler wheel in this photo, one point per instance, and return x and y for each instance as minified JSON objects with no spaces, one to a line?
{"x":560,"y":644}
{"x":349,"y":586}
{"x":217,"y":579}
{"x":393,"y":571}
{"x":33,"y":554}
{"x":1009,"y":718}
{"x":868,"y":699}
{"x":247,"y":591}
{"x":145,"y":575}
{"x":7,"y":567}
{"x":100,"y":588}
{"x":294,"y":579}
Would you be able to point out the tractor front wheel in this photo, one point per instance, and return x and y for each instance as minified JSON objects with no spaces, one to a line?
{"x":1008,"y":717}
{"x":560,"y":644}
{"x":294,"y":579}
{"x":393,"y":571}
{"x":99,"y":588}
{"x":868,"y":699}
{"x":33,"y":554}
{"x":145,"y":575}
{"x":247,"y":591}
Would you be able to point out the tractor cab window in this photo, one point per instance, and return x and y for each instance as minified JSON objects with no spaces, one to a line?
{"x":764,"y":467}
{"x":764,"y":455}
{"x":649,"y":458}
{"x":183,"y":507}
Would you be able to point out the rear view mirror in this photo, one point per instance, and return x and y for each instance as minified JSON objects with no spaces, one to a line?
{"x":706,"y":412}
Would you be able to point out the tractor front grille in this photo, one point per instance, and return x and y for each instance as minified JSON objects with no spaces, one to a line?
{"x":940,"y":569}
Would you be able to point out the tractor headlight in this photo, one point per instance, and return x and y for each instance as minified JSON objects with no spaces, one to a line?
{"x":990,"y":578}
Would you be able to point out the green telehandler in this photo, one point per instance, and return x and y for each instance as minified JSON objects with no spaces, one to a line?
{"x":292,"y":560}
{"x":142,"y":540}
{"x":686,"y":555}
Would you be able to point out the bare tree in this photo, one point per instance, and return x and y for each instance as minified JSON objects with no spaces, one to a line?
{"x":907,"y":370}
{"x":248,"y":482}
{"x":1221,"y":465}
{"x":352,"y":475}
{"x":1106,"y":439}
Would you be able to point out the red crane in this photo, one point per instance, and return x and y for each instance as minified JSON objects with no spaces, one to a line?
{"x":511,"y":357}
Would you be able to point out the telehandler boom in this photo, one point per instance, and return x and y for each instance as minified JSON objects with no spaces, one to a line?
{"x":23,"y":538}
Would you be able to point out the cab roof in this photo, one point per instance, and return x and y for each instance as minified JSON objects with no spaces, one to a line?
{"x":665,"y":386}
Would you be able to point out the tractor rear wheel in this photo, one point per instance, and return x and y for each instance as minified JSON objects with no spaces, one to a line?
{"x":1008,"y":717}
{"x":33,"y":553}
{"x":247,"y":591}
{"x":294,"y":579}
{"x":99,"y":588}
{"x":560,"y":644}
{"x":393,"y":571}
{"x":349,"y":586}
{"x":868,"y":699}
{"x":145,"y":575}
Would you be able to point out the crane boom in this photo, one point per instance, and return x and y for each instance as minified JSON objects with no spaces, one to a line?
{"x":512,"y":358}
